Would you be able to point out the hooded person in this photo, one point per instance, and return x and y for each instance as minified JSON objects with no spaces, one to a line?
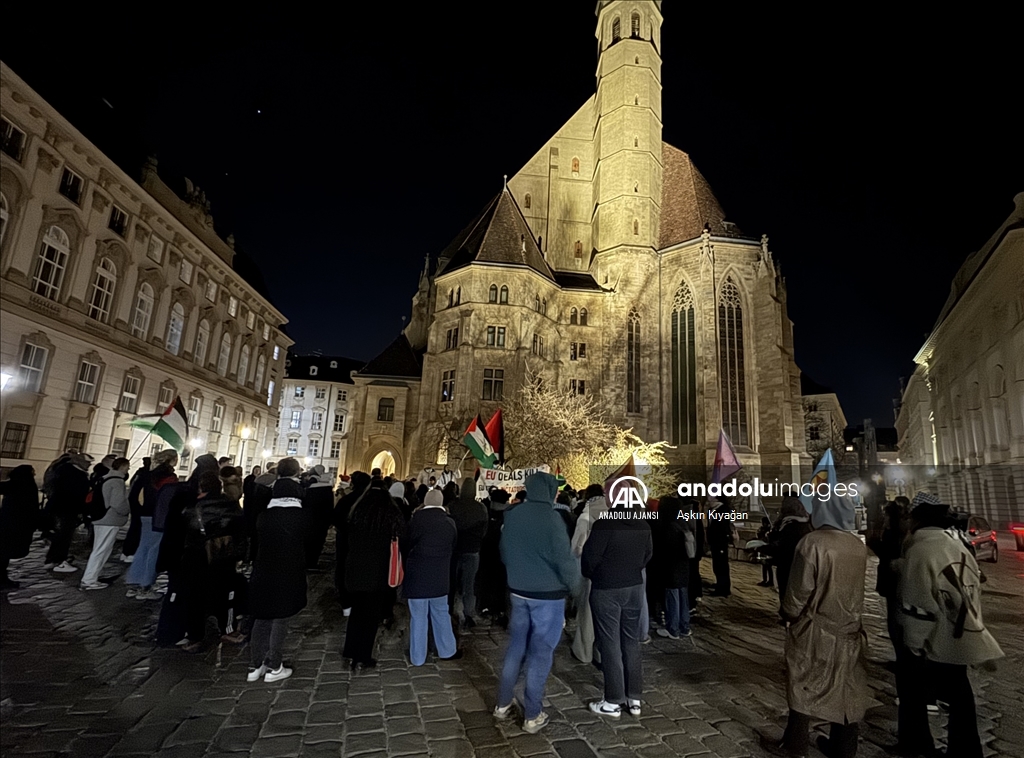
{"x":493,"y":581}
{"x":319,"y":504}
{"x":583,"y":642}
{"x":19,"y":514}
{"x":231,"y":483}
{"x":470,"y":517}
{"x":135,"y":485}
{"x":68,"y":490}
{"x":825,"y":639}
{"x":397,"y":492}
{"x":277,"y":588}
{"x":115,"y":498}
{"x":142,"y":572}
{"x":255,"y":503}
{"x":360,"y":483}
{"x":542,"y":573}
{"x":943,"y":632}
{"x":794,"y":523}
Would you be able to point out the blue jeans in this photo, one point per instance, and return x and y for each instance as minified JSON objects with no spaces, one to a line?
{"x":436,"y":608}
{"x":534,"y":630}
{"x":466,"y":567}
{"x":143,"y":569}
{"x":677,"y":611}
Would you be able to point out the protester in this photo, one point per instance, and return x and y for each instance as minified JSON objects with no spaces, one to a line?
{"x":583,"y":641}
{"x":397,"y":492}
{"x":470,"y":517}
{"x":493,"y":582}
{"x":542,"y":572}
{"x":277,"y":588}
{"x":360,"y":482}
{"x":825,"y":641}
{"x":767,"y":579}
{"x":793,"y":525}
{"x":564,"y":511}
{"x":939,"y":596}
{"x":695,"y":593}
{"x":720,"y":539}
{"x":115,"y":498}
{"x":70,"y":485}
{"x":319,"y":504}
{"x":19,"y":515}
{"x":427,"y":549}
{"x":135,"y":486}
{"x":675,"y":546}
{"x":231,"y":483}
{"x":613,"y":559}
{"x":372,"y":525}
{"x":250,"y":481}
{"x":255,"y":504}
{"x":142,"y":572}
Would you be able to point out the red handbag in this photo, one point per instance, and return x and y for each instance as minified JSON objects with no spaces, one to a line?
{"x":396,"y":573}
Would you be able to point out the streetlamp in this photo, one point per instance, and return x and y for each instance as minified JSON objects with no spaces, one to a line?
{"x":246,"y":434}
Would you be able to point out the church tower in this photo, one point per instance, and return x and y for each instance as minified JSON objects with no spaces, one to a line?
{"x":627,"y":132}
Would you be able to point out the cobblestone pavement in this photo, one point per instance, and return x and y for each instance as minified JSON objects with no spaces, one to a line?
{"x":81,"y":677}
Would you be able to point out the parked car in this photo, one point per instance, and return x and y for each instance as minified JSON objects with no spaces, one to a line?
{"x":1018,"y":535}
{"x":983,"y":538}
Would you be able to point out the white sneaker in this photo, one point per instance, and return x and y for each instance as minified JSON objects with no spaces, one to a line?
{"x":346,"y":612}
{"x":93,"y":586}
{"x":64,"y":568}
{"x":277,"y":674}
{"x":48,"y":566}
{"x":634,"y":707}
{"x":604,"y":708}
{"x":149,"y":595}
{"x":127,"y":558}
{"x":532,"y":726}
{"x":663,"y":632}
{"x":502,"y":712}
{"x":133,"y":591}
{"x":255,"y":674}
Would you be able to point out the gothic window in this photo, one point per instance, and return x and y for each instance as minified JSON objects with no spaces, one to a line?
{"x":503,"y":295}
{"x":636,"y":186}
{"x":636,"y":99}
{"x":634,"y":25}
{"x":102,"y":290}
{"x":527,"y":201}
{"x":633,"y":362}
{"x":243,"y":365}
{"x":583,"y":316}
{"x":543,"y":307}
{"x":50,"y":264}
{"x":492,"y":294}
{"x":636,"y":227}
{"x":224,"y":358}
{"x":578,"y":249}
{"x":143,"y":312}
{"x":636,"y":60}
{"x":175,"y":328}
{"x":616,"y":29}
{"x":458,"y":295}
{"x":573,"y":316}
{"x":636,"y":142}
{"x":386,"y":409}
{"x":731,"y":368}
{"x":684,"y":368}
{"x":575,"y":165}
{"x":451,"y":298}
{"x":536,"y":303}
{"x":202,"y":343}
{"x":261,"y":367}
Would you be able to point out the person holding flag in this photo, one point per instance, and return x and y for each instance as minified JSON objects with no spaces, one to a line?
{"x":478,"y":443}
{"x":720,"y":531}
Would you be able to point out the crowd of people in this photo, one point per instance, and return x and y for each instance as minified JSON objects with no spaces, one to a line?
{"x":237,"y":551}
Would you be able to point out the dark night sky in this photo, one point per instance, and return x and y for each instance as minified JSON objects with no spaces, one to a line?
{"x":875,"y":152}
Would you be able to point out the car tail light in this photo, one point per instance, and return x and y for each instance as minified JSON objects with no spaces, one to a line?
{"x":1018,"y":528}
{"x":995,"y":537}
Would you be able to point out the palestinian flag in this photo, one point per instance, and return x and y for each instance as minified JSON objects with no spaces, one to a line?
{"x":495,"y":431}
{"x":478,"y":444}
{"x":171,"y":426}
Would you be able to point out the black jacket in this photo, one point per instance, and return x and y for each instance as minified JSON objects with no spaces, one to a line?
{"x":70,"y":486}
{"x":719,"y":533}
{"x":616,"y":552}
{"x":427,"y":548}
{"x":222,"y":525}
{"x":782,"y":547}
{"x":671,"y":561}
{"x":470,"y":517}
{"x":372,"y":524}
{"x":19,"y":513}
{"x":277,"y":588}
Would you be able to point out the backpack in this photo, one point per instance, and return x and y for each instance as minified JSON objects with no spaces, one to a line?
{"x":95,"y":508}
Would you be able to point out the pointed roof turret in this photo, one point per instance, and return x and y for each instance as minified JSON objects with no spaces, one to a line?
{"x":397,"y":360}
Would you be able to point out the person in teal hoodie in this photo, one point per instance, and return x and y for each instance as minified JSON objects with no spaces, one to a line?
{"x":542,"y":573}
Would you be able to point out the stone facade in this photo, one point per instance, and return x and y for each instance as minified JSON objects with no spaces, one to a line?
{"x":961,"y":421}
{"x":685,"y":328}
{"x":117,"y":297}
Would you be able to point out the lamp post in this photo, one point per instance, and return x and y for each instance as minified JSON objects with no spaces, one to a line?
{"x":246,"y":434}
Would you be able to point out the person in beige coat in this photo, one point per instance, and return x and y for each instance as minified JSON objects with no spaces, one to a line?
{"x":825,"y":641}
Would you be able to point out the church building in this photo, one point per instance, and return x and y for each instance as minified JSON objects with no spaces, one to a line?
{"x":604,"y":267}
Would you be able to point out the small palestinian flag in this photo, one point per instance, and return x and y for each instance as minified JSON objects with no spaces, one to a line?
{"x":478,"y":444}
{"x":495,"y":431}
{"x":171,"y":426}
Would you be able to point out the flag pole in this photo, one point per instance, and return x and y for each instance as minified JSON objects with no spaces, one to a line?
{"x":144,"y":440}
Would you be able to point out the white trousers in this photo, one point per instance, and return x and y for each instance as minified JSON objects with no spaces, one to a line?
{"x":102,"y":546}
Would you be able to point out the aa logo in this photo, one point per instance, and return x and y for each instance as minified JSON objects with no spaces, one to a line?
{"x":628,"y":491}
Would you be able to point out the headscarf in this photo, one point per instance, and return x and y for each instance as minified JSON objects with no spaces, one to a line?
{"x":433,"y":499}
{"x":837,"y":512}
{"x":397,"y":491}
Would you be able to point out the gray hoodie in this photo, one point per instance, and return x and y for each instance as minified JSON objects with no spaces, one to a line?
{"x":115,"y":497}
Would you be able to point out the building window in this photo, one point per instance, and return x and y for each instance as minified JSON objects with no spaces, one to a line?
{"x":232,"y":306}
{"x":250,"y":320}
{"x":224,"y":358}
{"x":342,"y":396}
{"x":321,"y":393}
{"x":503,"y":295}
{"x":339,"y":422}
{"x":451,"y":298}
{"x":85,"y":387}
{"x":813,"y":433}
{"x":156,"y":248}
{"x":202,"y":343}
{"x":293,"y":446}
{"x":118,"y":222}
{"x":211,"y":290}
{"x":574,"y":317}
{"x":636,"y":227}
{"x":239,"y":415}
{"x":270,"y":393}
{"x":732,"y":365}
{"x":318,"y":421}
{"x":543,"y":307}
{"x":494,"y":384}
{"x":165,"y":397}
{"x":536,"y":345}
{"x":616,"y":29}
{"x":536,"y":303}
{"x":119,"y":447}
{"x":578,"y":249}
{"x":313,"y":370}
{"x":129,"y":402}
{"x":218,"y":417}
{"x":448,"y":386}
{"x":277,"y":352}
{"x":143,"y":312}
{"x":583,"y":316}
{"x":458,"y":295}
{"x":12,"y":139}
{"x":53,"y":258}
{"x":634,"y":25}
{"x":451,"y":340}
{"x":492,"y":294}
{"x":74,"y":442}
{"x":33,"y":362}
{"x":195,"y":406}
{"x":296,"y":422}
{"x":300,"y":391}
{"x":314,"y":449}
{"x":3,"y":216}
{"x":15,"y":440}
{"x":633,"y":362}
{"x":386,"y":409}
{"x":185,"y":271}
{"x":335,"y":449}
{"x":261,"y":367}
{"x":185,"y":459}
{"x":527,"y":201}
{"x":578,"y":351}
{"x":684,"y":368}
{"x":577,"y":387}
{"x":175,"y":328}
{"x":243,"y":365}
{"x":71,"y":186}
{"x":575,"y":165}
{"x":496,"y":336}
{"x":102,"y":290}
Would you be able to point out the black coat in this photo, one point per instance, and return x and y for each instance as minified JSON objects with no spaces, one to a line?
{"x":369,"y":542}
{"x":719,"y":533}
{"x":782,"y":548}
{"x":70,"y":486}
{"x":19,"y":514}
{"x":470,"y":517}
{"x":427,"y":548}
{"x":224,"y":528}
{"x":671,"y":560}
{"x":277,"y":588}
{"x":616,"y":552}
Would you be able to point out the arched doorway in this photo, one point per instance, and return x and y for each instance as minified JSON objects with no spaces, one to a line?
{"x":385,"y":461}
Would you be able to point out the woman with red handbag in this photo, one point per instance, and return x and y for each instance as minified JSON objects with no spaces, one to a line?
{"x":375,"y":523}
